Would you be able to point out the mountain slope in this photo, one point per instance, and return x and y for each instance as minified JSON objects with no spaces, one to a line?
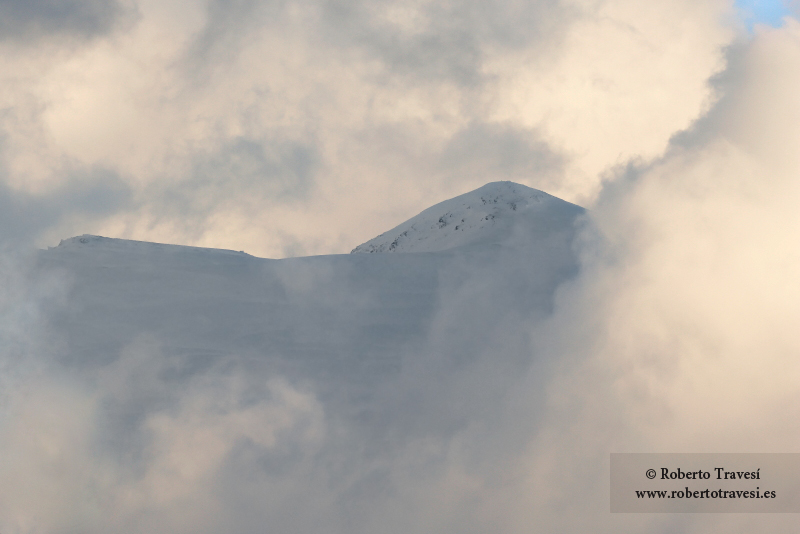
{"x":492,"y":214}
{"x":322,"y":313}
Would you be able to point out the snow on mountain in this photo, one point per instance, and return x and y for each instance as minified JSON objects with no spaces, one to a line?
{"x":488,"y":215}
{"x":342,"y":315}
{"x":114,"y":245}
{"x":323,"y":311}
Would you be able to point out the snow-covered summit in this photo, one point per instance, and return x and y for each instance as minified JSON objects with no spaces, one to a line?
{"x":112,"y":244}
{"x":499,"y":213}
{"x":492,"y":214}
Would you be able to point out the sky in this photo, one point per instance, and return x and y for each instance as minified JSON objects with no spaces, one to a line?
{"x":308,"y":127}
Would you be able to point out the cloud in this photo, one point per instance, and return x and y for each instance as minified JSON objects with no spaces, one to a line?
{"x":434,"y":41}
{"x":227,"y":25}
{"x":27,"y":21}
{"x":83,"y":194}
{"x":677,"y":336}
{"x":490,"y":152}
{"x":270,"y":170}
{"x":136,"y":460}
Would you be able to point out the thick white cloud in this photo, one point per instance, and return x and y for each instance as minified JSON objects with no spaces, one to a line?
{"x":679,"y":336}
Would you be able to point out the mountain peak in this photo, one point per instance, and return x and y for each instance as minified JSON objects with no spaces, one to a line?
{"x":491,"y":214}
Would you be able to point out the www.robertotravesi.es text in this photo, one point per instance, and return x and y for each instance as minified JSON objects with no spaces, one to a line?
{"x":705,"y":494}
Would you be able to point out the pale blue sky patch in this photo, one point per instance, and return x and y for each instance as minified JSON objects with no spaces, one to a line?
{"x":770,"y":12}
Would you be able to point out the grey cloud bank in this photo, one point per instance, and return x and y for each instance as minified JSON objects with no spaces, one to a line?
{"x":30,"y":20}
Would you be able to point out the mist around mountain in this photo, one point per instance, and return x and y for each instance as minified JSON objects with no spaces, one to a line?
{"x":181,"y":389}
